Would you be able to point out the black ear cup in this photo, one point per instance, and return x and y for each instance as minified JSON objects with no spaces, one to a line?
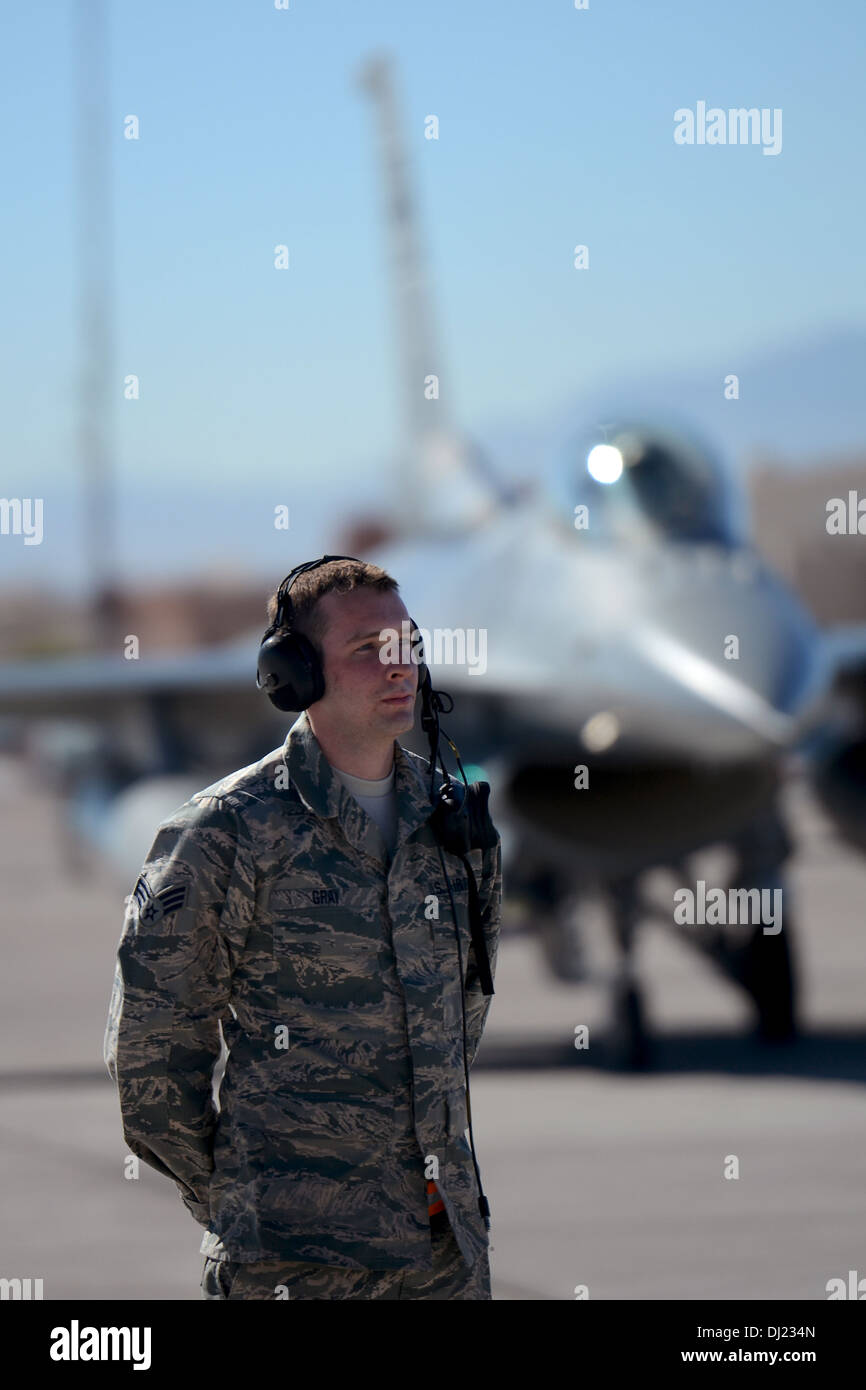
{"x":289,"y":669}
{"x":290,"y":672}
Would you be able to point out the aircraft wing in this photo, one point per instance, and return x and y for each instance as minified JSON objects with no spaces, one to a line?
{"x":85,"y":685}
{"x":89,"y":686}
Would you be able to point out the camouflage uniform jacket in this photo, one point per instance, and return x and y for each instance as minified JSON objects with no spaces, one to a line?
{"x":268,"y":906}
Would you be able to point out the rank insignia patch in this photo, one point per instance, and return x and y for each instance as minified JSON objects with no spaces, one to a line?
{"x":152,"y":907}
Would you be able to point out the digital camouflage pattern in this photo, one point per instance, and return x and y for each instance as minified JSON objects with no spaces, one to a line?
{"x":448,"y":1279}
{"x":268,"y":905}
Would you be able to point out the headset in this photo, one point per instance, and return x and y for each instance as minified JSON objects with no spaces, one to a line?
{"x":291,"y":674}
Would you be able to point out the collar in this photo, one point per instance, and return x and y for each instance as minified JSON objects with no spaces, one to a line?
{"x":323,"y":793}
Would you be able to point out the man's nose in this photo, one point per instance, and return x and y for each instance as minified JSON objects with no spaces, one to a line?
{"x":404,"y":671}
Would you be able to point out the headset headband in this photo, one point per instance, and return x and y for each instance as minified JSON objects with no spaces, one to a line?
{"x":284,"y":611}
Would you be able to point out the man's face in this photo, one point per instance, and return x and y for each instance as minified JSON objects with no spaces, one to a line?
{"x":359,"y":688}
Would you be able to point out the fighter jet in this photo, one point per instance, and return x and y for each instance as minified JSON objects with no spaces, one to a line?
{"x":645,"y":681}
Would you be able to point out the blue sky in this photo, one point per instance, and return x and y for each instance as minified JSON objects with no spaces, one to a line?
{"x":556,"y":127}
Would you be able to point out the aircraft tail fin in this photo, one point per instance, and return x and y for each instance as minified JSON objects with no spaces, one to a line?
{"x":443,"y":483}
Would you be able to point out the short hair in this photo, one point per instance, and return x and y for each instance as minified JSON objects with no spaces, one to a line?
{"x":337,"y":576}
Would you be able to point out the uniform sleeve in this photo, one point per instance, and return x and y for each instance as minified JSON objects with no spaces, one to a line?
{"x":185,"y":926}
{"x":490,"y":894}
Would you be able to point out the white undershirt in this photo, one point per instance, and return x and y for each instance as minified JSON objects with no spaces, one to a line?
{"x":378,"y":797}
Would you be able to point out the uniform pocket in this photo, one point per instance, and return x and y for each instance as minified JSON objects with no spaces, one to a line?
{"x":332,"y":955}
{"x":452,"y":963}
{"x":444,"y":932}
{"x":324,"y":903}
{"x":330,"y":968}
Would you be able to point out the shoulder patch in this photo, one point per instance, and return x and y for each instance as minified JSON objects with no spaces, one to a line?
{"x":152,"y":907}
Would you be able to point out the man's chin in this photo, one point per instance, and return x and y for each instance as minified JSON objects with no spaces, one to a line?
{"x":398,"y":717}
